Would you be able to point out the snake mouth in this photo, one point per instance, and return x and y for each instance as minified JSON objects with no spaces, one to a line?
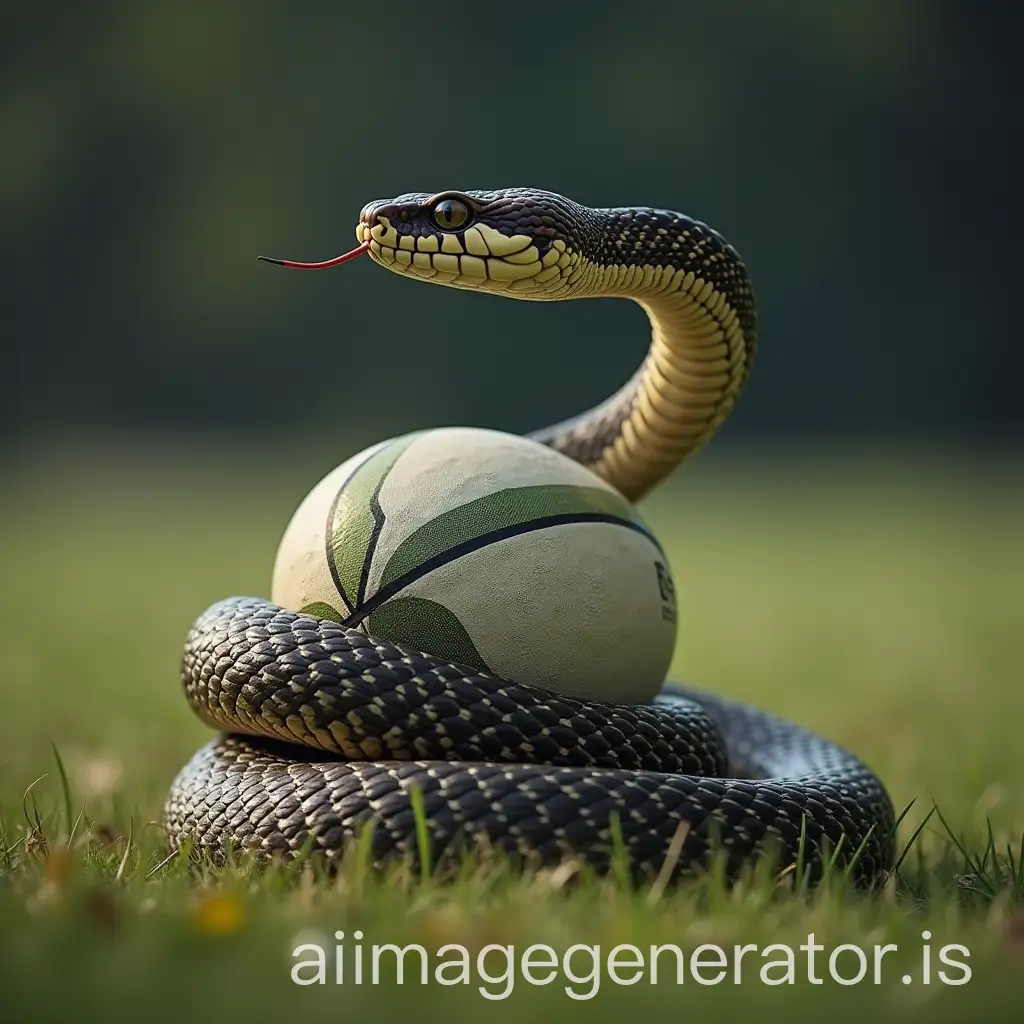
{"x":479,"y":258}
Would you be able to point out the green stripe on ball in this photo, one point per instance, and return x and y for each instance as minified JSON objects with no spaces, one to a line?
{"x":426,"y":626}
{"x":356,"y":518}
{"x":322,"y":610}
{"x":509,"y":507}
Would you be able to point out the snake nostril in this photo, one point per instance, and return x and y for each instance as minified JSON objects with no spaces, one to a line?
{"x":372,"y":212}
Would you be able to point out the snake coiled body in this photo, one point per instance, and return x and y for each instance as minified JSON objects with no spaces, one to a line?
{"x":327,"y":731}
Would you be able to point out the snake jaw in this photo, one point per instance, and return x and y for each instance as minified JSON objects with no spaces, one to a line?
{"x":478,"y":257}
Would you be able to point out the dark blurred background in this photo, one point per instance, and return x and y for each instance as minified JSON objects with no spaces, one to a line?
{"x":857,"y":154}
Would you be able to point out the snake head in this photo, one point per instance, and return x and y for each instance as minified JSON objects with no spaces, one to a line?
{"x":522,"y":242}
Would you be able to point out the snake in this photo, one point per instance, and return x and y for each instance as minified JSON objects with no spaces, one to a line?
{"x":328,"y":736}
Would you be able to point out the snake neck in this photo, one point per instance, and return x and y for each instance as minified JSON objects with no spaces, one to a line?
{"x":696,"y":292}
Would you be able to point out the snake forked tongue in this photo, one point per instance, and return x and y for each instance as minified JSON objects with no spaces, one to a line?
{"x":323,"y":264}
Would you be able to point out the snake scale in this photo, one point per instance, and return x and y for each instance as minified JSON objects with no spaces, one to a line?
{"x":516,"y":768}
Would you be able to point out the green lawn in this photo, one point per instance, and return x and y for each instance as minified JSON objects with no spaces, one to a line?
{"x":877,"y":599}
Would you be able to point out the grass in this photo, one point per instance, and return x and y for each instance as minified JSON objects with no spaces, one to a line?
{"x":873,"y":597}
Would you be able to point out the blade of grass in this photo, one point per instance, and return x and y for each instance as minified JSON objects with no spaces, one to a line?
{"x":127,"y":850}
{"x":847,"y":872}
{"x":294,"y":867}
{"x":74,"y":827}
{"x":162,"y":864}
{"x":422,"y":832}
{"x":669,"y":864}
{"x":913,"y":839}
{"x":65,"y":787}
{"x":620,"y":855}
{"x":37,"y":824}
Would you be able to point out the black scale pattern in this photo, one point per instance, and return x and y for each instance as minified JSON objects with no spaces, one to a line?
{"x":461,"y":738}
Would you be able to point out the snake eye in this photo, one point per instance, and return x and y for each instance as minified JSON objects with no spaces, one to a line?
{"x":449,"y":214}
